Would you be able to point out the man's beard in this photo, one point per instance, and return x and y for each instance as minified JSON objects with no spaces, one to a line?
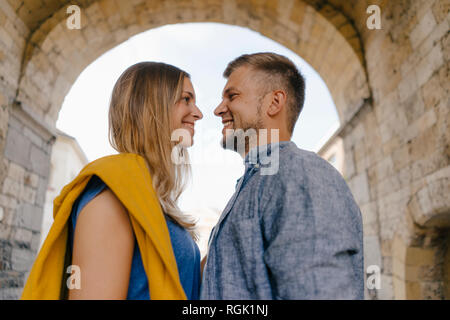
{"x":247,"y":135}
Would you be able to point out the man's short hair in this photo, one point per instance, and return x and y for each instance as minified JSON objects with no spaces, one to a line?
{"x":281,"y":73}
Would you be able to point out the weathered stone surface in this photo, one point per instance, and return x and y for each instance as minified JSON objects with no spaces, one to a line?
{"x":17,"y":148}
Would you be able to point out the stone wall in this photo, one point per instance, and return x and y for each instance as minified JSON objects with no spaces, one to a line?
{"x":397,"y":150}
{"x":26,"y":161}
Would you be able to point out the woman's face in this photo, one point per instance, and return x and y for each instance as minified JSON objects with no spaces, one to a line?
{"x":185,"y":114}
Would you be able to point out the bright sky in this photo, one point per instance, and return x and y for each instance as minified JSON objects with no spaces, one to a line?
{"x":203,"y":50}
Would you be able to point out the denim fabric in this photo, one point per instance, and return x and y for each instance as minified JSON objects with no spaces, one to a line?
{"x":295,"y":234}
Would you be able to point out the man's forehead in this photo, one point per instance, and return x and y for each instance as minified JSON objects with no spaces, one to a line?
{"x":238,"y":78}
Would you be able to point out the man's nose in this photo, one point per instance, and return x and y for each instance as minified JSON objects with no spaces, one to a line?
{"x":220,"y":109}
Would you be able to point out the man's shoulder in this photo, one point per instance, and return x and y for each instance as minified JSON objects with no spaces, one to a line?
{"x":296,"y":162}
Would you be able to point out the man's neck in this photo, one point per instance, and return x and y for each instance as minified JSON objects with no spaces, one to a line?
{"x":269,"y":140}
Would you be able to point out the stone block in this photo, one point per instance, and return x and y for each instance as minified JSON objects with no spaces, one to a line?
{"x":400,"y":157}
{"x":420,"y":257}
{"x":31,"y":179}
{"x":360,"y":188}
{"x":23,"y":216}
{"x":23,"y":237}
{"x":413,"y":290}
{"x":432,"y":92}
{"x":429,"y":64}
{"x":407,"y":86}
{"x":386,"y":291}
{"x":21,"y":259}
{"x":36,"y":219}
{"x":424,"y":144}
{"x":414,"y":106}
{"x":8,"y":202}
{"x":422,"y":29}
{"x":386,"y":107}
{"x":16,"y":172}
{"x":28,"y":194}
{"x":35,"y":241}
{"x":349,"y":165}
{"x":372,"y":252}
{"x":394,"y":125}
{"x":432,"y":290}
{"x":6,"y":38}
{"x":5,"y":232}
{"x":10,"y":293}
{"x":34,"y":138}
{"x":384,"y":168}
{"x":3,"y":121}
{"x":441,"y":10}
{"x":17,"y":148}
{"x":41,"y":191}
{"x":387,"y":186}
{"x":40,"y":161}
{"x":11,"y":187}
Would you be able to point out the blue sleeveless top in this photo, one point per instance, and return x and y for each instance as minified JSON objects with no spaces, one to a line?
{"x":185,"y":250}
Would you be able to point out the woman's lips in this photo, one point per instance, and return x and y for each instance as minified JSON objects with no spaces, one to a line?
{"x":190,"y":126}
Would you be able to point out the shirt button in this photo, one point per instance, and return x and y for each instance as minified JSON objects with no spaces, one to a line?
{"x":257,"y":166}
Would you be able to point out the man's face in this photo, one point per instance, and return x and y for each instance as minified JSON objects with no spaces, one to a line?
{"x":241,"y":106}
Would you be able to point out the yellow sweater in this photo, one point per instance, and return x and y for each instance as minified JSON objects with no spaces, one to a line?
{"x":128,"y":177}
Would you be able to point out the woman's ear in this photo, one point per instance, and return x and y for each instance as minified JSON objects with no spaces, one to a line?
{"x":277,"y":103}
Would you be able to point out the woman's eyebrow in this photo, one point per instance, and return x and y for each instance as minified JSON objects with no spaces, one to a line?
{"x":190,"y":93}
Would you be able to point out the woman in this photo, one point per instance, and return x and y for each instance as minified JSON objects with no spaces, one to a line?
{"x":117,"y":224}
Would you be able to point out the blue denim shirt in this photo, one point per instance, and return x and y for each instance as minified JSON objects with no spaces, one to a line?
{"x":292,"y":230}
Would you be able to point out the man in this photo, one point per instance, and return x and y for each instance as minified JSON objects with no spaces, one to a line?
{"x":294,"y":230}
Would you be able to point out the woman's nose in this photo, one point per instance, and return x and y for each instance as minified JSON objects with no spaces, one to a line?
{"x":197,"y":113}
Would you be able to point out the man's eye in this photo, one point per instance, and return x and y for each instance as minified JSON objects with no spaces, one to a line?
{"x":231,"y":96}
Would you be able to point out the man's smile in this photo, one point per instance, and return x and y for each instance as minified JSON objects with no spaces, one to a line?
{"x":227,"y":124}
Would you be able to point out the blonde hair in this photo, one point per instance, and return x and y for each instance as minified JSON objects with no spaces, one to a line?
{"x":140,"y":123}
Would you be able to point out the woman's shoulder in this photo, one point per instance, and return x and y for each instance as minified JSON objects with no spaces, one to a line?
{"x":99,"y":204}
{"x":93,"y":188}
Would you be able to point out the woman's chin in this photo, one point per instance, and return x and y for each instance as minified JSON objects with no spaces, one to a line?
{"x":188,"y":145}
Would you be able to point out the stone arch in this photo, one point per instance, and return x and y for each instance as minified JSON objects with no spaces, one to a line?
{"x":421,"y":268}
{"x":427,"y":267}
{"x":55,"y":56}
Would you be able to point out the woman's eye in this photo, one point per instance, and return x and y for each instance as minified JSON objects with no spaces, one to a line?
{"x":187,"y":99}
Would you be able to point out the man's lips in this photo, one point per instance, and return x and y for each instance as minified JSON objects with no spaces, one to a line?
{"x":227,"y":124}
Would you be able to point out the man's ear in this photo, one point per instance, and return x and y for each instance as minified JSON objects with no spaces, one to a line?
{"x":278,"y":102}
